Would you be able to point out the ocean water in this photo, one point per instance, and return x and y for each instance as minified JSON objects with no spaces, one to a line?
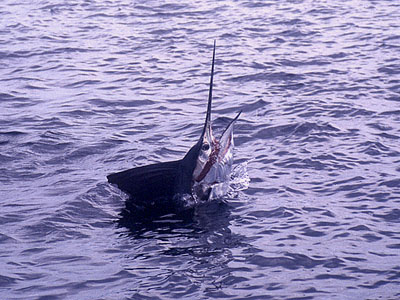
{"x":88,"y":88}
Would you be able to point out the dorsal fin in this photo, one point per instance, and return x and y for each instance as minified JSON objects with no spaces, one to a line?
{"x":148,"y":182}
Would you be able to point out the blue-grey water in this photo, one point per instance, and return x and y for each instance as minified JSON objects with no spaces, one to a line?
{"x":92,"y":87}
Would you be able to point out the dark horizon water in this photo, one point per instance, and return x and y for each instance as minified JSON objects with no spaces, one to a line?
{"x":93,"y":87}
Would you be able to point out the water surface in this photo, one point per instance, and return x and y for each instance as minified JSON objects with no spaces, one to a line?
{"x":90,"y":88}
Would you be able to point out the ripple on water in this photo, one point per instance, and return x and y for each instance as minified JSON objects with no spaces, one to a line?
{"x":92,"y":88}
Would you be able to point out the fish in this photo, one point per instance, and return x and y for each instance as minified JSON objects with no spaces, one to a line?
{"x":202,"y":174}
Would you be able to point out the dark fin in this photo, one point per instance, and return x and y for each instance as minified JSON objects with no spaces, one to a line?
{"x":144,"y":184}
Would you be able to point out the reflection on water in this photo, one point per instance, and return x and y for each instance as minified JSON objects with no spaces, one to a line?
{"x":205,"y":217}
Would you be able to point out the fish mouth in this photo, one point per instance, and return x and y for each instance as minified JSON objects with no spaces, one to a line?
{"x":214,"y":158}
{"x":214,"y":164}
{"x":219,"y":155}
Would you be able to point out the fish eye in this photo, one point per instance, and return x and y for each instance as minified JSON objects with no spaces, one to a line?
{"x":205,"y":147}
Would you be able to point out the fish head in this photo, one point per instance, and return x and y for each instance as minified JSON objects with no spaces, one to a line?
{"x":206,"y":167}
{"x":214,"y":163}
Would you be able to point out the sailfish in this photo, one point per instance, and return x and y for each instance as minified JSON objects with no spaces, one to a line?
{"x":202,"y":174}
